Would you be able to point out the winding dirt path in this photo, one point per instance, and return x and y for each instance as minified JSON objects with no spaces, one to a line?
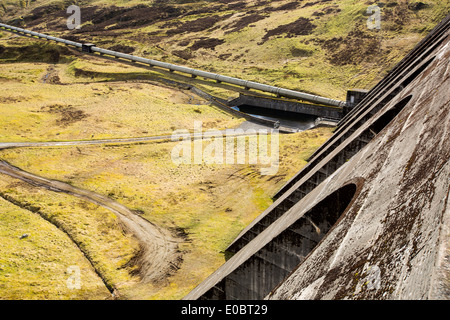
{"x":159,"y":254}
{"x":159,"y":248}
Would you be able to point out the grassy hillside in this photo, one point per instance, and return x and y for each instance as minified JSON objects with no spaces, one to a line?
{"x":35,"y":267}
{"x":90,"y":99}
{"x":318,"y":46}
{"x":208,"y":204}
{"x":51,"y":92}
{"x":43,"y":102}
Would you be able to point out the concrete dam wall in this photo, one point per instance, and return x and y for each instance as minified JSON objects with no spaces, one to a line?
{"x":368,"y":217}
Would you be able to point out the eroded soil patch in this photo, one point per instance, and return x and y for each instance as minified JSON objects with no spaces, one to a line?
{"x":99,"y":18}
{"x":122,"y":48}
{"x":197,"y":25}
{"x":326,"y":11}
{"x":51,"y":77}
{"x":207,"y":43}
{"x":300,"y":27}
{"x":354,"y":48}
{"x":68,"y":114}
{"x":244,"y":22}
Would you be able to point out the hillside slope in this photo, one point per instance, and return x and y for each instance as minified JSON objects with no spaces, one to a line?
{"x":320,"y":46}
{"x":54,"y":93}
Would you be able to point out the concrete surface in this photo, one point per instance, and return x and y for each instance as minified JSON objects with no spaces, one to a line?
{"x":390,"y":162}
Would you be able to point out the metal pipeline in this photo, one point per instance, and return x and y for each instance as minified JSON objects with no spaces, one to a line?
{"x":193,"y":72}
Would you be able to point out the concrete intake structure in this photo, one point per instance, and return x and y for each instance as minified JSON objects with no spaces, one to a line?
{"x":91,"y":48}
{"x":369,"y":216}
{"x":285,"y":105}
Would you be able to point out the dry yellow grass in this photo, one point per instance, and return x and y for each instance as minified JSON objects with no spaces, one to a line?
{"x":36,"y":267}
{"x":85,"y":97}
{"x":37,"y":111}
{"x":210,"y":204}
{"x":91,"y":99}
{"x":95,"y":230}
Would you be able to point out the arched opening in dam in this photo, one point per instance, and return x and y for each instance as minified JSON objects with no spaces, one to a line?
{"x":329,"y":168}
{"x":266,"y":269}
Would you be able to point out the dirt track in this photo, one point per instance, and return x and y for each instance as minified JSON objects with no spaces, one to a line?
{"x":159,"y":248}
{"x":159,"y":255}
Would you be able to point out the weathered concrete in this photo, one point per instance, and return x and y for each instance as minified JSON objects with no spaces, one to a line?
{"x":391,"y":240}
{"x":324,"y":122}
{"x":326,"y":161}
{"x":257,"y":276}
{"x":222,"y":104}
{"x":354,"y":97}
{"x":287,"y":106}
